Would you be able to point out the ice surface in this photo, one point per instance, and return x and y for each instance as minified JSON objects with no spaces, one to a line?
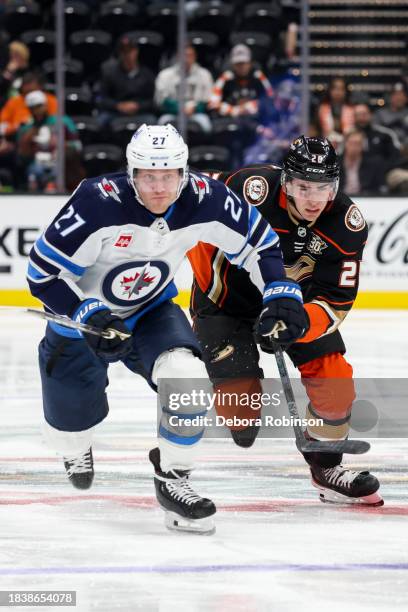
{"x":277,"y":547}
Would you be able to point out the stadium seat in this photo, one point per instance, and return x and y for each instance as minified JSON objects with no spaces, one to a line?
{"x":78,"y":101}
{"x":77,"y":16}
{"x":209,"y":158}
{"x":123,"y":128}
{"x":213,"y":18}
{"x":196,"y":136}
{"x":20,"y":15}
{"x":206,"y":45}
{"x":118,"y":17}
{"x":89,"y":129}
{"x":41,"y":44}
{"x":150,"y":47}
{"x":102,"y":158}
{"x":291,"y":10}
{"x":162,"y":18}
{"x":73,"y":69}
{"x":92,"y":47}
{"x":259,"y":43}
{"x":261,"y":17}
{"x":224,"y":131}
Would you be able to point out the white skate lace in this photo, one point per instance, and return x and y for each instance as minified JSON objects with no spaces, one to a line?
{"x":80,"y":464}
{"x":180,"y":490}
{"x":340,"y":476}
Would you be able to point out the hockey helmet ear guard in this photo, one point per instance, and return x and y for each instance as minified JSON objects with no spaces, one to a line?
{"x":313,"y":160}
{"x":157,"y":147}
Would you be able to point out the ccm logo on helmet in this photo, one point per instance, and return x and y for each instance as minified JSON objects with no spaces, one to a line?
{"x":316,"y":170}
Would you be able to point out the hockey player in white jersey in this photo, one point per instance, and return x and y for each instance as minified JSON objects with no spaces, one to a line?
{"x":108,"y":259}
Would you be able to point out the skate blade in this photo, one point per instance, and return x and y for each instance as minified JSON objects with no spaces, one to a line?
{"x":175,"y":522}
{"x":327,"y":496}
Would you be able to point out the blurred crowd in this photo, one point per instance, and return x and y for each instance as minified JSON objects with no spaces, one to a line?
{"x":238,"y":113}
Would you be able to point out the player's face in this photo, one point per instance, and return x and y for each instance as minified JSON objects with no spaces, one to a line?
{"x":157,"y":188}
{"x":310,"y":198}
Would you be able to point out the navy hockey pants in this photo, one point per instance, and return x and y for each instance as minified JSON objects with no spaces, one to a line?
{"x":74,"y":379}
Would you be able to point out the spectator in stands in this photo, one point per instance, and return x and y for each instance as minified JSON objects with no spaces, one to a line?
{"x":126,"y":88}
{"x":198,"y":87}
{"x":280,"y":125}
{"x":361,"y":173}
{"x":16,"y":67}
{"x":335,"y":114}
{"x":15,"y":112}
{"x":238,"y":93}
{"x":394,"y":115}
{"x":37,"y":144}
{"x":380,"y":140}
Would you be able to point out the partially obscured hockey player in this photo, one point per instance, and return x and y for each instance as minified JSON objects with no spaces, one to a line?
{"x":322,"y":236}
{"x":108,"y":259}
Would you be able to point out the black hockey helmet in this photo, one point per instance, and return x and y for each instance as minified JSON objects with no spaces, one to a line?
{"x":311,"y":159}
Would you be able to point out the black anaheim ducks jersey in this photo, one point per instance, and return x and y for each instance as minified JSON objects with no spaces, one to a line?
{"x":323,"y":256}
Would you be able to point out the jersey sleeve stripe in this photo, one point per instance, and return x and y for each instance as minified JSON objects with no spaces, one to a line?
{"x":282,"y":231}
{"x":48,"y":252}
{"x":34,"y":274}
{"x":254,"y":220}
{"x":43,"y":265}
{"x":322,"y":297}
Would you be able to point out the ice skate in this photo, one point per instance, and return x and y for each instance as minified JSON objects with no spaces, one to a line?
{"x":184,"y":509}
{"x":339,"y":485}
{"x":80,"y":470}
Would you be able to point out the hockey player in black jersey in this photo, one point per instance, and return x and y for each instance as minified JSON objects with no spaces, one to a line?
{"x":322,"y":235}
{"x":108,"y":260}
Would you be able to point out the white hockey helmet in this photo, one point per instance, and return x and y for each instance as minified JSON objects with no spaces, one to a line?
{"x":157,"y":147}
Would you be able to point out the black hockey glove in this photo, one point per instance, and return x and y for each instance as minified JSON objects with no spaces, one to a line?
{"x":93,"y":312}
{"x":283,"y":319}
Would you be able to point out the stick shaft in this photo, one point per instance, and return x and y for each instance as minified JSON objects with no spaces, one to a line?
{"x":353,"y":447}
{"x":109,"y":333}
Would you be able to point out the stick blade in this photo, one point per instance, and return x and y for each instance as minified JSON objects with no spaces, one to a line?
{"x":351,"y":447}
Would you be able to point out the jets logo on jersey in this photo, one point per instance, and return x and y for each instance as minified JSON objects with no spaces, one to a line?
{"x":256,"y":190}
{"x":133,"y":283}
{"x":109,"y":189}
{"x":316,"y":245}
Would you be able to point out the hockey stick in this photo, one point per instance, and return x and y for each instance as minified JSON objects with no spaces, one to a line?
{"x":109,"y":333}
{"x":353,"y":447}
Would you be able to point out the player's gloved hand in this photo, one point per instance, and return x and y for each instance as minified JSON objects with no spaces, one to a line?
{"x":283,"y":319}
{"x":96,"y":313}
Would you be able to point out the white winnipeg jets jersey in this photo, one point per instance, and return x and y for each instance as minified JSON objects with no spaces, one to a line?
{"x":104,"y":244}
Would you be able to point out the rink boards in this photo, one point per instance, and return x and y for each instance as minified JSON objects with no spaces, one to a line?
{"x":383,"y":276}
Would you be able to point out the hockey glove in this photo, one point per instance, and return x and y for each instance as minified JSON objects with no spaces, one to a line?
{"x":93,"y":312}
{"x":283,"y":319}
